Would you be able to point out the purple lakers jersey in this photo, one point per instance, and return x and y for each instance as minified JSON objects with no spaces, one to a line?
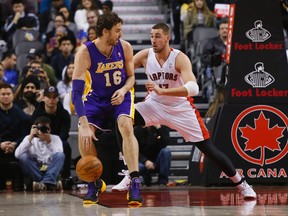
{"x":107,"y":73}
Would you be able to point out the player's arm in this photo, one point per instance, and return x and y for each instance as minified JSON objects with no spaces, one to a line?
{"x":129,"y":67}
{"x":81,"y":63}
{"x":190,"y":87}
{"x":140,"y":58}
{"x":118,"y":96}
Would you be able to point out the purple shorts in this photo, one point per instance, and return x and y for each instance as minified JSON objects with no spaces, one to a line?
{"x":100,"y":111}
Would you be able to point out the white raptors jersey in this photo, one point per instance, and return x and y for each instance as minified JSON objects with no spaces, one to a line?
{"x":165,"y":76}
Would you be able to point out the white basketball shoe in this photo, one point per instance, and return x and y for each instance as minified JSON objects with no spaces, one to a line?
{"x":246,"y":190}
{"x":124,"y":184}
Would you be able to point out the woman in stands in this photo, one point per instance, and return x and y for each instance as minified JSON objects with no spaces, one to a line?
{"x":198,"y":15}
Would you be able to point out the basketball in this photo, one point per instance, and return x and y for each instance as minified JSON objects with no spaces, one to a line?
{"x":89,"y":168}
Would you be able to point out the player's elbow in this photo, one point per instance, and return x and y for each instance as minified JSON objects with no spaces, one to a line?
{"x":192,"y":88}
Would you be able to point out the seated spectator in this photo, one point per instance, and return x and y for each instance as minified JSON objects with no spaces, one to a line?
{"x":64,"y":57}
{"x":27,"y":97}
{"x":214,"y":57}
{"x":92,"y":35}
{"x":13,"y":128}
{"x":81,"y":14}
{"x":48,"y":13}
{"x":107,"y":6}
{"x":154,"y":156}
{"x":198,"y":15}
{"x":68,"y":23}
{"x":37,"y":55}
{"x":19,"y":20}
{"x":52,"y":37}
{"x":11,"y":75}
{"x":41,"y":156}
{"x":64,"y":87}
{"x":60,"y":119}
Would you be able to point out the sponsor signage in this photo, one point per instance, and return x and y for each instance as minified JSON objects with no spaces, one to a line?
{"x":257,"y":55}
{"x":255,"y":138}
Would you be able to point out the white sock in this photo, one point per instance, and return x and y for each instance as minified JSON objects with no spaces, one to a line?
{"x":237,"y":178}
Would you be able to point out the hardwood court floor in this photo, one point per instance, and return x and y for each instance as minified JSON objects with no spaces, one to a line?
{"x":179,"y":201}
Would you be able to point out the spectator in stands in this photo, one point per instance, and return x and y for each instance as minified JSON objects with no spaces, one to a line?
{"x":107,"y":6}
{"x":154,"y":156}
{"x":92,"y":35}
{"x":64,"y":87}
{"x":13,"y":128}
{"x":37,"y":55}
{"x":11,"y":75}
{"x":68,"y":19}
{"x":67,"y":22}
{"x":27,"y":97}
{"x":92,"y":17}
{"x":49,"y":13}
{"x":19,"y":20}
{"x":81,"y":14}
{"x":214,"y":57}
{"x":41,"y":156}
{"x":64,"y":57}
{"x":60,"y":123}
{"x":198,"y":15}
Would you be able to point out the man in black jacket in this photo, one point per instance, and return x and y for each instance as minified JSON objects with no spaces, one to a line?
{"x":13,"y":128}
{"x":60,"y":122}
{"x":154,"y":156}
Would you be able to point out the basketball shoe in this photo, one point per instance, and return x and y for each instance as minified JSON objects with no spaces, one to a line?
{"x":124,"y":184}
{"x":38,"y":186}
{"x":134,"y":194}
{"x":246,"y":190}
{"x":94,"y":189}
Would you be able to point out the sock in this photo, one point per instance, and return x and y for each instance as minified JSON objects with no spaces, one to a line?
{"x":237,"y":179}
{"x":134,"y":174}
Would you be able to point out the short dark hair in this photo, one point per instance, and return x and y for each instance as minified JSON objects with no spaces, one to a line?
{"x":6,"y":85}
{"x":65,"y":38}
{"x":107,"y":21}
{"x":43,"y":120}
{"x":108,"y":3}
{"x":224,"y":20}
{"x":17,"y":2}
{"x":162,"y":26}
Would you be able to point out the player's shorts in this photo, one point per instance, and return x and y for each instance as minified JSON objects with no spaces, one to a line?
{"x":99,"y":110}
{"x":182,"y":117}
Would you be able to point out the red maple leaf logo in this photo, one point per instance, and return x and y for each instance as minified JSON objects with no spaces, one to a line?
{"x":262,"y":136}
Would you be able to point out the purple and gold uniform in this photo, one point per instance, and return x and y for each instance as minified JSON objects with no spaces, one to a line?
{"x":106,"y":75}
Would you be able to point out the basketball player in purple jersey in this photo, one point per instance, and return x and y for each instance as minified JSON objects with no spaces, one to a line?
{"x":103,"y":82}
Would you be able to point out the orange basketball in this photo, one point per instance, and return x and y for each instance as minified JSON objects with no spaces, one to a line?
{"x":89,"y":168}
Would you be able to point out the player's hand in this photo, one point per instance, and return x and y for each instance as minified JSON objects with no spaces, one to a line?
{"x":150,"y":86}
{"x":118,"y":97}
{"x":149,"y":165}
{"x":86,"y":136}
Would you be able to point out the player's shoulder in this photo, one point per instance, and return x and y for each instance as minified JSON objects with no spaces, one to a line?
{"x":125,"y":43}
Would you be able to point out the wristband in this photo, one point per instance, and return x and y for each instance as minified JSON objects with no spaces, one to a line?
{"x":77,"y":92}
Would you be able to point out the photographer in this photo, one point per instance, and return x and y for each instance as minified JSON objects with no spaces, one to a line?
{"x":41,"y":156}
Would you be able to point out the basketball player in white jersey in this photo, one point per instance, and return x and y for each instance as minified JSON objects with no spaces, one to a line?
{"x":171,"y":84}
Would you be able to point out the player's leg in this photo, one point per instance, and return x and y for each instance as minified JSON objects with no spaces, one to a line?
{"x":225,"y":164}
{"x":98,"y":186}
{"x":131,"y":153}
{"x":124,"y":184}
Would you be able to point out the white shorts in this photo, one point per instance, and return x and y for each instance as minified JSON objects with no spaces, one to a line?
{"x":183,"y":117}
